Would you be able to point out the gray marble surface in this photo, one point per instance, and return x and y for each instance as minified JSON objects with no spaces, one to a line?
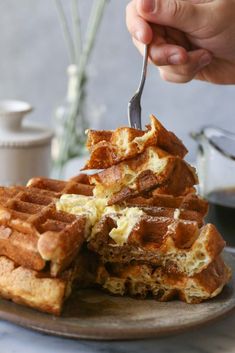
{"x":218,"y":337}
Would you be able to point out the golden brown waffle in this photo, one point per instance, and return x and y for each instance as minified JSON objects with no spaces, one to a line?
{"x":25,"y":286}
{"x":108,"y":148}
{"x":177,"y":245}
{"x":189,"y":207}
{"x":38,"y":289}
{"x":152,"y":169}
{"x":189,"y":202}
{"x":78,"y":185}
{"x":142,"y":280}
{"x":166,"y":212}
{"x":32,"y":232}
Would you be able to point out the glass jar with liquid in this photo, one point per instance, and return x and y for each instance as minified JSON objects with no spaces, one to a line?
{"x":216,"y":171}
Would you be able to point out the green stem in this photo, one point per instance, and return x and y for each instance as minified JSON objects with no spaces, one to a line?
{"x":65,"y":30}
{"x":70,"y":125}
{"x":92,"y":28}
{"x":76,"y":30}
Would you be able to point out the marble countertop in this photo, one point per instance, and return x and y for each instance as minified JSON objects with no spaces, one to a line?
{"x":218,"y":337}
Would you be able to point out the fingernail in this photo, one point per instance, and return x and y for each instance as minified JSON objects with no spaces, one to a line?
{"x":138,"y":36}
{"x":204,"y":60}
{"x":174,"y":59}
{"x":147,"y":5}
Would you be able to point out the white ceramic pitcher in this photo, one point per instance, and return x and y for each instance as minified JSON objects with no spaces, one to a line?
{"x":25,"y":149}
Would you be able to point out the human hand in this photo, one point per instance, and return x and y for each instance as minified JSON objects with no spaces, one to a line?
{"x":188,"y":38}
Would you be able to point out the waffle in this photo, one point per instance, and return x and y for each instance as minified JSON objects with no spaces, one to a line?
{"x":168,"y":212}
{"x":142,"y":280}
{"x":189,"y":202}
{"x":79,"y":185}
{"x":151,"y":169}
{"x":178,"y":245}
{"x":108,"y":148}
{"x":25,"y":286}
{"x":188,"y":207}
{"x":33,"y":233}
{"x":38,"y":289}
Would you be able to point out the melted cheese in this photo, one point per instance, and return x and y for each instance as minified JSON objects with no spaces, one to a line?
{"x":94,"y":208}
{"x":177,"y":213}
{"x":142,"y":140}
{"x":88,"y":206}
{"x":126,"y":220}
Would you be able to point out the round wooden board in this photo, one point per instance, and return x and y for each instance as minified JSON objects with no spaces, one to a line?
{"x":91,"y":314}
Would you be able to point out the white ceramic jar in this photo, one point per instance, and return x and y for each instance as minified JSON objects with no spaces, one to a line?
{"x":25,"y":150}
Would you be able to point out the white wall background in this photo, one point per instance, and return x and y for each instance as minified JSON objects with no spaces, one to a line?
{"x":33,"y":64}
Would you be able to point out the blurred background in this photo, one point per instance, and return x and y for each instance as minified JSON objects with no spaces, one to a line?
{"x":33,"y":64}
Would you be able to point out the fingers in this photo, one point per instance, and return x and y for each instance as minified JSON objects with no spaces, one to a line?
{"x":183,"y":15}
{"x":199,"y":1}
{"x":137,"y":26}
{"x":197,"y":60}
{"x":164,"y":54}
{"x":159,"y":23}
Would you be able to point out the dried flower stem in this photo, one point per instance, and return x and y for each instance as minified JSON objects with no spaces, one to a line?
{"x":80,"y":54}
{"x":76,"y":30}
{"x":65,"y":30}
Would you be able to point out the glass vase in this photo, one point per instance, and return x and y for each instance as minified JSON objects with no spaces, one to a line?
{"x":71,"y":123}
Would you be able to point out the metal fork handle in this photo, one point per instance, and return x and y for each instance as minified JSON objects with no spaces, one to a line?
{"x":143,"y":71}
{"x":134,"y":106}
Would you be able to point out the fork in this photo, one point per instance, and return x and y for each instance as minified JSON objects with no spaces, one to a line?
{"x":134,"y":106}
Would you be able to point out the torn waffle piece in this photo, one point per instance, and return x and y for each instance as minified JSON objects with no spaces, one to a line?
{"x":152,"y":169}
{"x":178,"y":245}
{"x":143,"y":280}
{"x":37,"y":290}
{"x":108,"y":148}
{"x":41,"y":291}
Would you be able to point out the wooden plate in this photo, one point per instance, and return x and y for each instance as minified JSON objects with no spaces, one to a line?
{"x":91,"y":314}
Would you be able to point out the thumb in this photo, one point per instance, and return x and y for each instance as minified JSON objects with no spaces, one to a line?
{"x":183,"y":15}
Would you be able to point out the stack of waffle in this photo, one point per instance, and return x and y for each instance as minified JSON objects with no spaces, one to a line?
{"x":150,"y":234}
{"x":134,"y":228}
{"x":39,"y":246}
